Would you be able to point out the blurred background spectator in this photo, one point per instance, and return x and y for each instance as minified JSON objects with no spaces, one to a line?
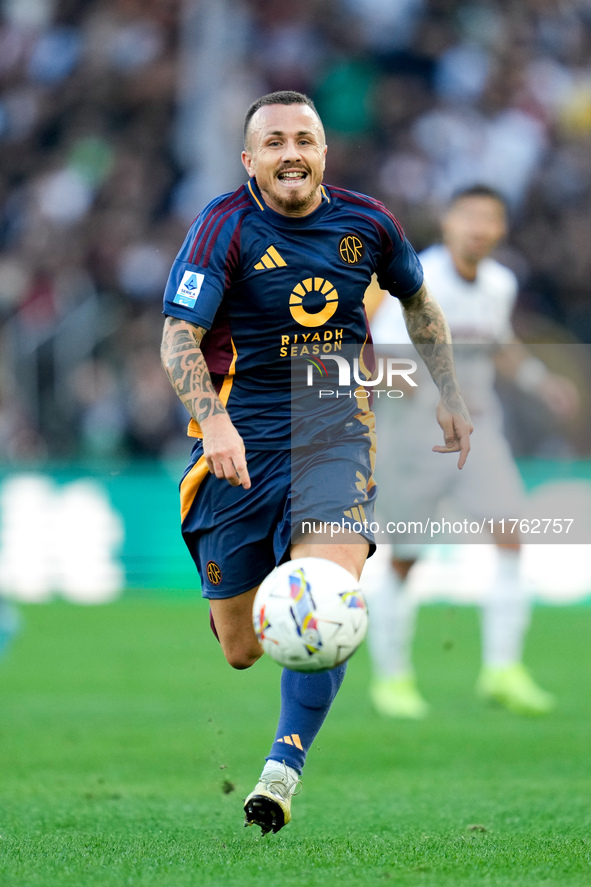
{"x":119,"y":119}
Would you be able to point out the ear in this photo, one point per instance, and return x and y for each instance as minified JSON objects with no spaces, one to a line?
{"x":247,"y":163}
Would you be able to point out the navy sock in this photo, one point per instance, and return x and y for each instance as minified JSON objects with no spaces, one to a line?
{"x":305,"y":702}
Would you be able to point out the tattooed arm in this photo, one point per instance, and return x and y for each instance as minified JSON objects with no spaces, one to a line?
{"x":429,"y":332}
{"x":185,"y":366}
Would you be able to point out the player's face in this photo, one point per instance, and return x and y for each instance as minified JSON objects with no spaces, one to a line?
{"x":474,"y":226}
{"x":285,"y":152}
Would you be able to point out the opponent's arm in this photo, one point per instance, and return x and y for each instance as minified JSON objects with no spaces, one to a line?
{"x":429,"y":332}
{"x":186,"y":368}
{"x":516,"y":363}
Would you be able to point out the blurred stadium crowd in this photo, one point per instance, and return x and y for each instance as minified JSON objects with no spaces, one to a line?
{"x":99,"y":180}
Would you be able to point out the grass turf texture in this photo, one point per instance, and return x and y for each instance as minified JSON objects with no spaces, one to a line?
{"x":127,"y":746}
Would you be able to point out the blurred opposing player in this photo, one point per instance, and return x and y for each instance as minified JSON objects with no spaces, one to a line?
{"x":265,"y":274}
{"x":477,"y":295}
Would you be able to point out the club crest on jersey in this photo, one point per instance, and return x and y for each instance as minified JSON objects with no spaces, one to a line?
{"x":188,"y":290}
{"x":214,"y":574}
{"x":313,"y":285}
{"x":351,"y":249}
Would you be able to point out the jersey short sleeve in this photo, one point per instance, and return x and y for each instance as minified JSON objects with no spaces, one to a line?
{"x":400,"y":270}
{"x":201,"y":271}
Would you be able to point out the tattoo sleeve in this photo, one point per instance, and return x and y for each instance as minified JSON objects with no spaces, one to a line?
{"x":429,"y":332}
{"x":185,"y":366}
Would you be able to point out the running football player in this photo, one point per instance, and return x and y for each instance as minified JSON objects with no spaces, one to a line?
{"x":273,"y":272}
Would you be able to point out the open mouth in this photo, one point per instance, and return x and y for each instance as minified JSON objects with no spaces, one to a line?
{"x":292,"y":176}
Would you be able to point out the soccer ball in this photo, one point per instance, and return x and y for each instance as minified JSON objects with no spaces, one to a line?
{"x":309,"y":614}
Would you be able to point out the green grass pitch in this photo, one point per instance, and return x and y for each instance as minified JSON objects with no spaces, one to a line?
{"x":127,"y":747}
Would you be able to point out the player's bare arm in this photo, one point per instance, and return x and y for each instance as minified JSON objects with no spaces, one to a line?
{"x":429,"y":332}
{"x":187,"y":370}
{"x":531,"y":375}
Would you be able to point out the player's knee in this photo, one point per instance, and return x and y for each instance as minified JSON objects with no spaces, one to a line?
{"x":241,"y":659}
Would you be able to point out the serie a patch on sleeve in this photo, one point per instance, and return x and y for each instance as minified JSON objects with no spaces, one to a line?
{"x":188,"y":290}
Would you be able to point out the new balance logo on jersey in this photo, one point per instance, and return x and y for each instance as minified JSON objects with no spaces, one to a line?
{"x":271,"y":259}
{"x":294,"y":739}
{"x":189,"y":289}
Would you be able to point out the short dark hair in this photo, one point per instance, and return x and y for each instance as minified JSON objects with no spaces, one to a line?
{"x":479,"y":190}
{"x":282,"y":97}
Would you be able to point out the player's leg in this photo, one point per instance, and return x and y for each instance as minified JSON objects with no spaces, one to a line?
{"x":306,"y":700}
{"x":350,"y":554}
{"x":411,"y":486}
{"x":232,"y":618}
{"x":227,"y":531}
{"x":506,"y":611}
{"x":393,"y":689}
{"x":505,"y":621}
{"x":329,"y":476}
{"x":491,"y":487}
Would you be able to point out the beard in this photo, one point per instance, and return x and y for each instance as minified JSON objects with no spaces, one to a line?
{"x":295,"y":202}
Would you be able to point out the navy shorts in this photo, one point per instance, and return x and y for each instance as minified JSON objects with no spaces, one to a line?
{"x":237,"y":536}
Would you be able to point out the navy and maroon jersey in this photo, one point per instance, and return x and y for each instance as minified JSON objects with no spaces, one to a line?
{"x":270,"y":288}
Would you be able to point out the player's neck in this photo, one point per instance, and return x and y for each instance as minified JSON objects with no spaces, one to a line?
{"x":292,"y":212}
{"x":467,"y":268}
